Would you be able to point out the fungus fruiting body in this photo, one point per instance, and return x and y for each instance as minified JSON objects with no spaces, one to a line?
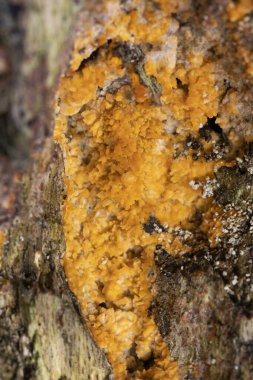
{"x":135,"y":123}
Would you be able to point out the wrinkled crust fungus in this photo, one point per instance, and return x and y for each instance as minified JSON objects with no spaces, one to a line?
{"x":141,"y":129}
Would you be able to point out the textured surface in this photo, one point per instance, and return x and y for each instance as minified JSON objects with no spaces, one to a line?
{"x":54,"y":318}
{"x":41,"y":333}
{"x":204,"y":299}
{"x":154,"y":119}
{"x":149,"y":112}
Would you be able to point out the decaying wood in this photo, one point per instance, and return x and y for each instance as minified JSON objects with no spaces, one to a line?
{"x":206,"y":323}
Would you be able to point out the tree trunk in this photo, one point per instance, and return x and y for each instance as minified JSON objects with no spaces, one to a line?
{"x":202,"y":290}
{"x":42,"y":333}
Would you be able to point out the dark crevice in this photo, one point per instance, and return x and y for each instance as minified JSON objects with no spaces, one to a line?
{"x":148,"y":363}
{"x":182,"y":86}
{"x":208,"y":127}
{"x":94,"y":55}
{"x":211,"y":122}
{"x":139,"y":364}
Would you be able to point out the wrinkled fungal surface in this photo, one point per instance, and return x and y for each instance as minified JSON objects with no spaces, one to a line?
{"x":154,"y":117}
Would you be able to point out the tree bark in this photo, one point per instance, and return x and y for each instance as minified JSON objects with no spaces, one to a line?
{"x":42,"y":333}
{"x":205,"y":321}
